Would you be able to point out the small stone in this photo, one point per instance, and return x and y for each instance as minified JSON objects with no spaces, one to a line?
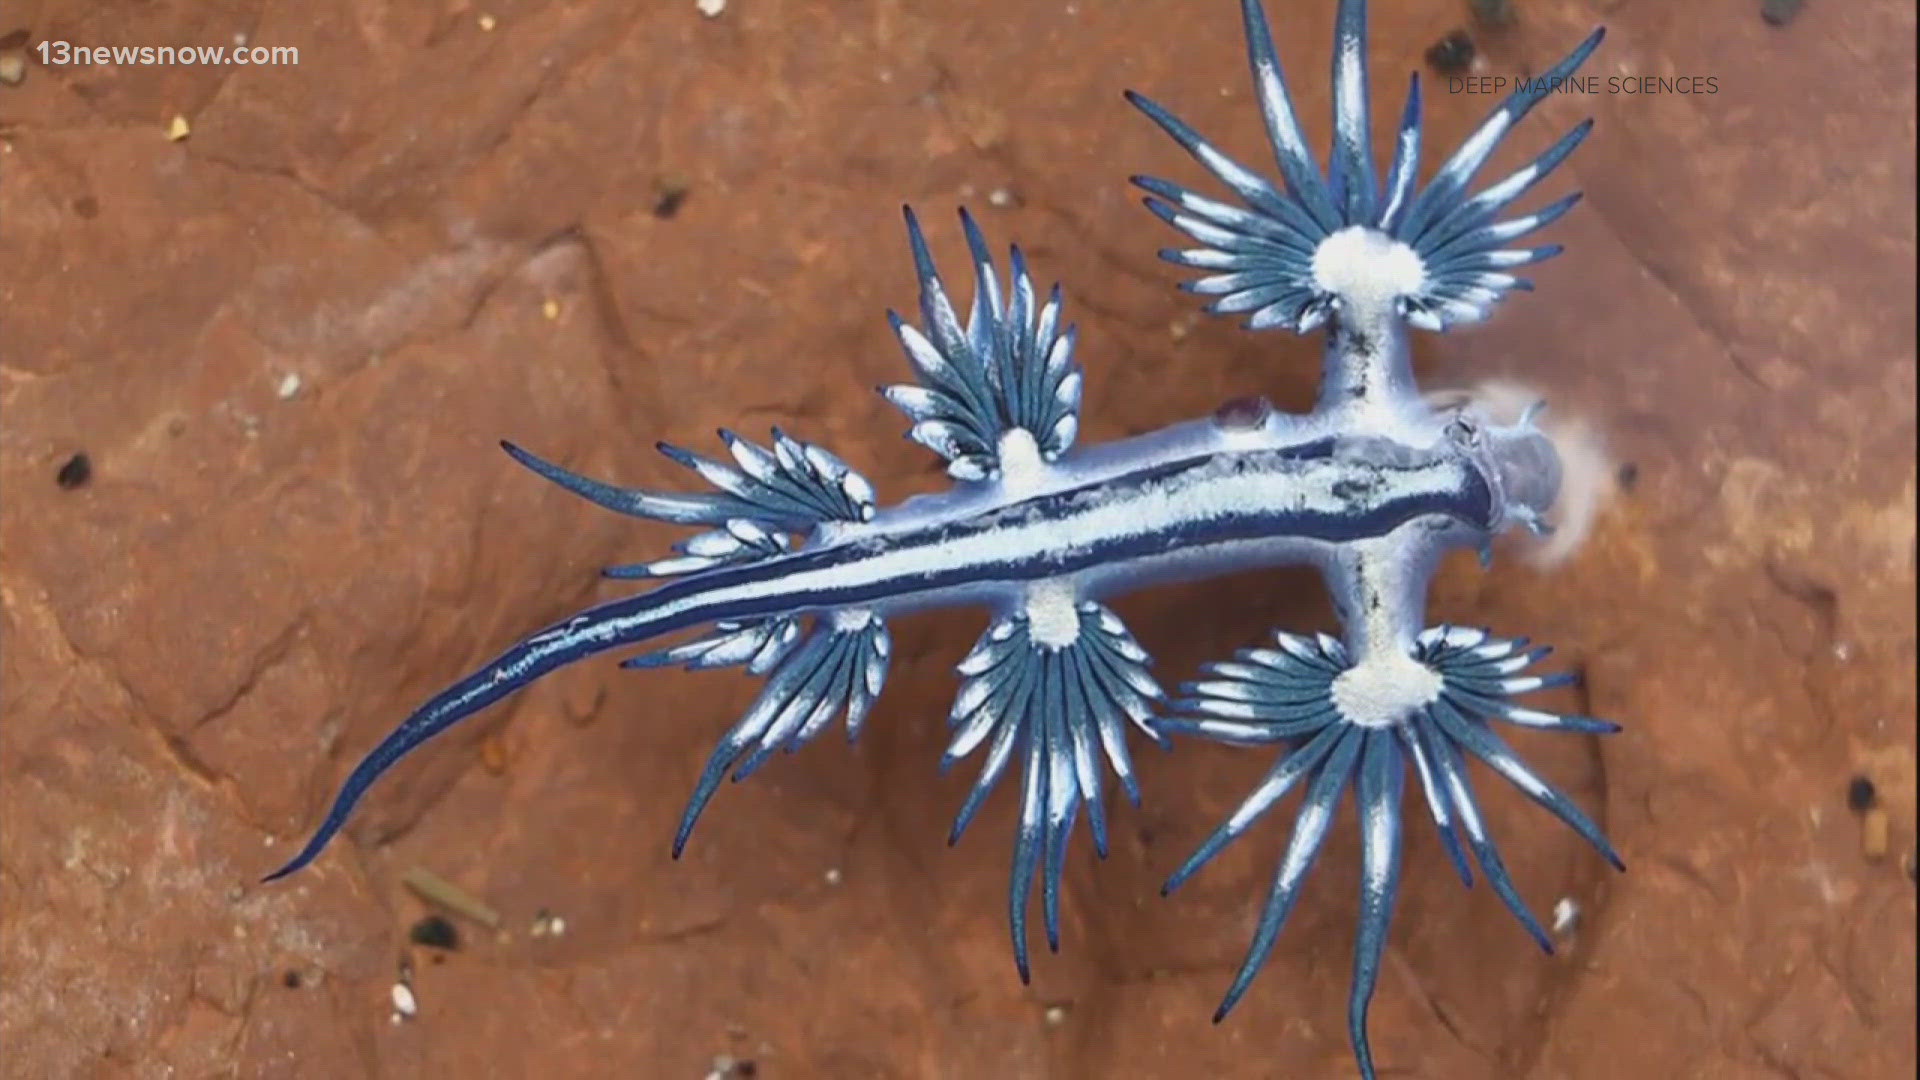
{"x":1056,"y":1015}
{"x":13,"y":68}
{"x":178,"y":128}
{"x":551,"y":309}
{"x":76,"y":472}
{"x":833,"y":875}
{"x":711,"y":8}
{"x":1566,"y":915}
{"x":405,"y":1007}
{"x":1861,"y":794}
{"x":1873,"y":834}
{"x":488,"y":22}
{"x":1452,"y":54}
{"x":290,"y":980}
{"x":289,"y":386}
{"x":1002,"y":199}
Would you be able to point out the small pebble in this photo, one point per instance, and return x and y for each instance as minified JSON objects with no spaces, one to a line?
{"x":13,"y":68}
{"x":1001,"y":199}
{"x":551,"y":309}
{"x":1452,"y":54}
{"x":1873,"y":834}
{"x":404,"y":1005}
{"x":1056,"y":1015}
{"x":1566,"y":915}
{"x":488,"y":22}
{"x":289,"y":386}
{"x":435,"y":932}
{"x":77,"y":471}
{"x":290,"y":980}
{"x":833,"y":875}
{"x":547,"y":924}
{"x":1860,"y":794}
{"x":711,"y":8}
{"x":178,"y":128}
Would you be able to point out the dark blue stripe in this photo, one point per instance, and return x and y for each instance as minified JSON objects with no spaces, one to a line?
{"x":1363,"y":515}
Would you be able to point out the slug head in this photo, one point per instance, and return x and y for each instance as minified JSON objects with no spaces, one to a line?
{"x":1518,"y":459}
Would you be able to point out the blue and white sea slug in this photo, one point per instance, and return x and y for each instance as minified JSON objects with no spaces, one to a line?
{"x":798,"y":570}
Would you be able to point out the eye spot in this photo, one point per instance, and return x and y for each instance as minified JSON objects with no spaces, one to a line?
{"x":1463,"y":430}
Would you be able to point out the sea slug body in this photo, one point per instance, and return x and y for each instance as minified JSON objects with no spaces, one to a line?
{"x":798,"y":569}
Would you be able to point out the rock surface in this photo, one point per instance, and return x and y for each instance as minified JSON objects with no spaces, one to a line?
{"x":289,"y":341}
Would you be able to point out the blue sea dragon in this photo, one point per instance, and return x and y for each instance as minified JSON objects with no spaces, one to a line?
{"x":798,"y":570}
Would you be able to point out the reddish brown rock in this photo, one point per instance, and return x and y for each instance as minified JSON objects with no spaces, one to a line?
{"x":254,"y":585}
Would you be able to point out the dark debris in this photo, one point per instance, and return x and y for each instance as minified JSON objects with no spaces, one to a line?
{"x":1452,"y":54}
{"x":1779,"y":12}
{"x":76,"y":472}
{"x":669,"y":198}
{"x":1493,"y":12}
{"x":1861,"y":795}
{"x":435,"y":932}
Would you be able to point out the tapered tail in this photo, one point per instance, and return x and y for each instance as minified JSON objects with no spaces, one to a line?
{"x":627,"y":621}
{"x":766,"y":496}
